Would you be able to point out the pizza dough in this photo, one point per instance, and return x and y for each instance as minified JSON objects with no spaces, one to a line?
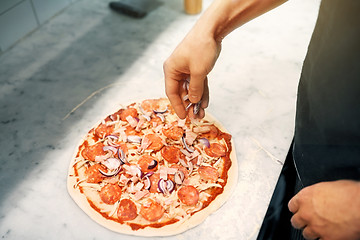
{"x":143,"y":171}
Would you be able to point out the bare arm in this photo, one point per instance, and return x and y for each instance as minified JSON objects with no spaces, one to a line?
{"x":196,"y":55}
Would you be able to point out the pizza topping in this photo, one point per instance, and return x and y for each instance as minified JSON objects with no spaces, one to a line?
{"x":174,"y":132}
{"x":103,"y":130}
{"x":147,"y":183}
{"x":134,"y":139}
{"x":91,"y":152}
{"x":166,"y":186}
{"x":121,"y":155}
{"x":155,"y":142}
{"x":112,"y":163}
{"x":215,"y":150}
{"x":110,"y":174}
{"x":154,"y":179}
{"x":129,"y":112}
{"x":208,"y":173}
{"x":149,"y":105}
{"x":188,"y":195}
{"x":93,"y":175}
{"x":179,"y":177}
{"x":201,"y":129}
{"x":110,"y":148}
{"x":151,"y":210}
{"x":190,"y":137}
{"x":127,"y":210}
{"x":110,"y":140}
{"x":110,"y":193}
{"x":140,"y":194}
{"x":132,"y":121}
{"x":204,"y":142}
{"x":161,"y":111}
{"x":171,"y":154}
{"x":147,"y":163}
{"x":212,"y":134}
{"x":189,"y":149}
{"x":133,"y":170}
{"x":161,"y":167}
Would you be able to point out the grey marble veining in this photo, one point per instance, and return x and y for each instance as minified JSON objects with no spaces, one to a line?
{"x":88,"y":47}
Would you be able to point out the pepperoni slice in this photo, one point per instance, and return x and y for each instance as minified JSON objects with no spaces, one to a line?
{"x":154,"y":179}
{"x":174,"y":132}
{"x":152,"y":211}
{"x":188,"y":195}
{"x":93,"y":175}
{"x":215,"y":150}
{"x":149,"y":105}
{"x":128,"y":112}
{"x":155,"y":140}
{"x":102,"y":130}
{"x":127,"y":210}
{"x":110,"y":193}
{"x":156,"y":121}
{"x":212,"y":134}
{"x":171,"y":154}
{"x":131,"y":131}
{"x":90,"y":152}
{"x":147,"y":161}
{"x":208,"y":173}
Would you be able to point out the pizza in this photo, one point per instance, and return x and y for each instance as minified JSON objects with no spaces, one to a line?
{"x":143,"y":171}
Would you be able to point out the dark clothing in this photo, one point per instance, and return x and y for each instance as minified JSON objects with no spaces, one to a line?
{"x":327,"y":127}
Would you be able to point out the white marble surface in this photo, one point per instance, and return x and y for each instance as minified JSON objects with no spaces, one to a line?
{"x":87,"y":47}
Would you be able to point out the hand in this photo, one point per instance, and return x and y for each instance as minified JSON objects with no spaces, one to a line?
{"x":328,"y":210}
{"x":193,"y":59}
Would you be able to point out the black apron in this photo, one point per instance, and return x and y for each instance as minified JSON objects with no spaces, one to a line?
{"x":326,"y":144}
{"x":327,"y":126}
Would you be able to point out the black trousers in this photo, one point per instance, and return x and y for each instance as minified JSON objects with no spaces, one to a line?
{"x":276,"y":224}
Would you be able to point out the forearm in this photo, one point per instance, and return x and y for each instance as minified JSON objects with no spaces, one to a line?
{"x":223,"y":16}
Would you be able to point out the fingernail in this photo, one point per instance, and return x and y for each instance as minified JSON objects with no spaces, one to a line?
{"x":194,"y":98}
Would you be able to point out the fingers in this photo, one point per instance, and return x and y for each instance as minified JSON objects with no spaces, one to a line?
{"x":196,"y":87}
{"x":293,"y":204}
{"x":309,"y":234}
{"x":297,"y":222}
{"x":173,"y":90}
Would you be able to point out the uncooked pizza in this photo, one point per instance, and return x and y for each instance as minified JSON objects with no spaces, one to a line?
{"x":143,"y":171}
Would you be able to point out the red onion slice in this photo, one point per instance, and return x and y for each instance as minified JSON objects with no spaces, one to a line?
{"x":163,"y":186}
{"x":205,"y":142}
{"x":188,"y":106}
{"x":185,"y":98}
{"x":148,"y":174}
{"x":110,"y":148}
{"x":197,"y":107}
{"x":110,"y":174}
{"x":122,"y":156}
{"x":170,"y":186}
{"x":112,"y":137}
{"x":186,"y":146}
{"x":153,"y":164}
{"x":147,"y":183}
{"x":161,"y":111}
{"x":161,"y":117}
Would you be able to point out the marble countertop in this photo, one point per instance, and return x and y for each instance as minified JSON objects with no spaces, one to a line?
{"x":89,"y":52}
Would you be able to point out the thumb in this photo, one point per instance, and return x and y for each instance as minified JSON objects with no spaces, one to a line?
{"x":196,"y":88}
